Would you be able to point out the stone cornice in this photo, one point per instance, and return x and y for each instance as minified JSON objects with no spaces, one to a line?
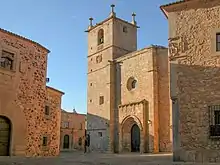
{"x":139,"y":52}
{"x":186,"y":4}
{"x":112,"y":17}
{"x":133,"y":103}
{"x":23,"y":38}
{"x":55,"y":90}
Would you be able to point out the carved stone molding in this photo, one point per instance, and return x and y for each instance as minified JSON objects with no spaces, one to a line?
{"x":99,"y":58}
{"x":133,"y":103}
{"x":177,"y":48}
{"x":100,"y":47}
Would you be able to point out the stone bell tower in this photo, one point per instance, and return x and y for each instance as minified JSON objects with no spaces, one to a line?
{"x":107,"y":41}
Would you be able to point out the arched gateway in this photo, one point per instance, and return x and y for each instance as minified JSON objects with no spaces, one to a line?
{"x":5,"y":134}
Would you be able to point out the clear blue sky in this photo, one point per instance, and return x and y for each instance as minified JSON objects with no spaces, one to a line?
{"x":59,"y":25}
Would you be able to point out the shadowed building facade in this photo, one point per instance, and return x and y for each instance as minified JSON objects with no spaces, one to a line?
{"x":194,"y":49}
{"x":29,"y":110}
{"x":72,"y":135}
{"x":128,"y":90}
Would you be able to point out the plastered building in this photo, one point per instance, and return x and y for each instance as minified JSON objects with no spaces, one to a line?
{"x":72,"y":135}
{"x":128,"y":90}
{"x":30,"y":111}
{"x":194,"y":55}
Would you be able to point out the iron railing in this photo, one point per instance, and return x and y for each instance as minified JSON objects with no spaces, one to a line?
{"x":215,"y":130}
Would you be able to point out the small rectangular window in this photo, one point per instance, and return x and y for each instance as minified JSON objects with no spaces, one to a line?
{"x":44,"y":141}
{"x":81,"y":126}
{"x":7,"y":60}
{"x":100,"y":134}
{"x":101,"y":100}
{"x":125,"y":29}
{"x":47,"y":110}
{"x":218,"y":42}
{"x":66,"y":124}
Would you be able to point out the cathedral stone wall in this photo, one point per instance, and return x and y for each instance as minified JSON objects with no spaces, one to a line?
{"x":139,"y":66}
{"x":114,"y":66}
{"x":148,"y":102}
{"x":23,"y":96}
{"x":164,"y":110}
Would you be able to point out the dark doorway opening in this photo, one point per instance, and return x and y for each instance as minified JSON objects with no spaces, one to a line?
{"x":135,"y":138}
{"x":66,"y":140}
{"x":5,"y":136}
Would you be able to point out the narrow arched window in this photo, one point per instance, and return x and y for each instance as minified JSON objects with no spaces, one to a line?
{"x":133,"y":84}
{"x":100,"y":36}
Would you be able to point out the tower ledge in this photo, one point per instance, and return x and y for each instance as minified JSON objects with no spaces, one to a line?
{"x":112,"y":17}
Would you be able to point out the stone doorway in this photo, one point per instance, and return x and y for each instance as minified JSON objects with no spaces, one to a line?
{"x":5,"y":136}
{"x":135,"y":138}
{"x":131,"y":135}
{"x":66,"y":141}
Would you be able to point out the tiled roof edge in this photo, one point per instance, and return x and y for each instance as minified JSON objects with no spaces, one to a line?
{"x":24,"y":38}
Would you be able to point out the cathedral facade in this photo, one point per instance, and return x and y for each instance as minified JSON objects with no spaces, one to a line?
{"x":128,"y":90}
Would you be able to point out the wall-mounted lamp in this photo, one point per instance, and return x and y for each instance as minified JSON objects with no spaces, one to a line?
{"x":149,"y":122}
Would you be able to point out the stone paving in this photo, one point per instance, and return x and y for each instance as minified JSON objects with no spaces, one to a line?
{"x":79,"y":158}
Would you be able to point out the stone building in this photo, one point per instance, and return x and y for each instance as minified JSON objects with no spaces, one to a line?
{"x":29,"y":110}
{"x":128,"y":90}
{"x":72,"y":130}
{"x":194,"y":55}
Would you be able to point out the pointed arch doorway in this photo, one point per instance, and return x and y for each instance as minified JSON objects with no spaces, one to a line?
{"x":135,"y":138}
{"x":5,"y":134}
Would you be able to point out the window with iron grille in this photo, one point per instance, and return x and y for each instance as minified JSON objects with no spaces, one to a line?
{"x":214,"y":112}
{"x":7,"y":60}
{"x":218,"y":42}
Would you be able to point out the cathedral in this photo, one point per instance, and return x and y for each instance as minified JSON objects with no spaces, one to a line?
{"x":128,"y":90}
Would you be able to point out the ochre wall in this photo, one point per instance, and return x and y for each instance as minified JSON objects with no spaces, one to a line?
{"x":75,"y":131}
{"x":195,"y":72}
{"x":23,"y":95}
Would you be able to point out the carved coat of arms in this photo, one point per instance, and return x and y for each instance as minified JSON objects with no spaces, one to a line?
{"x":177,"y":48}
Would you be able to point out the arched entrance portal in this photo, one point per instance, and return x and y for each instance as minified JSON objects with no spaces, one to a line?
{"x":130,"y":135}
{"x":135,"y":138}
{"x":5,"y":134}
{"x":66,"y":142}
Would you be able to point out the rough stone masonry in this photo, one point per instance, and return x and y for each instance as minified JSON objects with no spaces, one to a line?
{"x":128,"y":90}
{"x":194,"y":50}
{"x":29,"y":110}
